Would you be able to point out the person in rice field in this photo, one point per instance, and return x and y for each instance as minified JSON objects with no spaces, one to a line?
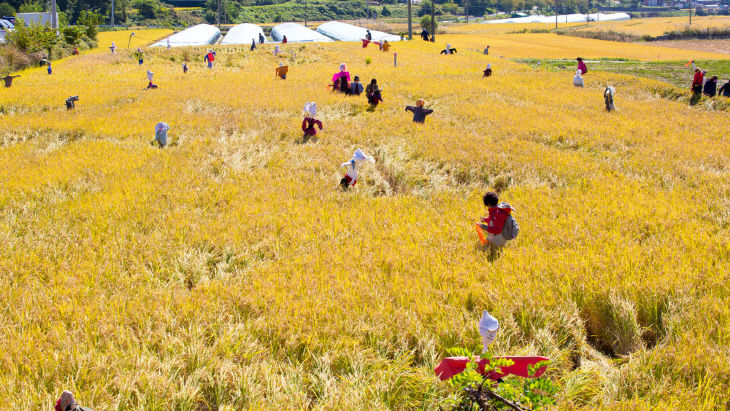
{"x":582,"y":66}
{"x":374,"y":93}
{"x":500,"y":226}
{"x":209,"y":58}
{"x":488,"y":71}
{"x":724,"y":90}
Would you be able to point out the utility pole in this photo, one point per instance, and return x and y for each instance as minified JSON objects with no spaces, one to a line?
{"x":54,"y":16}
{"x":433,"y":24}
{"x":410,"y":27}
{"x":466,"y":9}
{"x":219,"y":14}
{"x":112,"y":13}
{"x":556,"y":14}
{"x":690,"y":12}
{"x":305,"y":13}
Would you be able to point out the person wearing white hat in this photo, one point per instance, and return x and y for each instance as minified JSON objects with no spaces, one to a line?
{"x":488,"y":327}
{"x":277,"y":50}
{"x":352,"y":166}
{"x":309,"y":122}
{"x":149,"y":77}
{"x":161,"y":134}
{"x":578,"y":79}
{"x":488,"y":71}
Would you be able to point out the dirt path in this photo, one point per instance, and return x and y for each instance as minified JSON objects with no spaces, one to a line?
{"x":717,"y":46}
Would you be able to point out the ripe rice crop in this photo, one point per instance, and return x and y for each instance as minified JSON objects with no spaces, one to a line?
{"x":228,"y":271}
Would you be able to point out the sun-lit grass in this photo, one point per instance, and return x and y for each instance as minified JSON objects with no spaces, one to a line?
{"x":656,"y":26}
{"x":551,"y":45}
{"x":141,"y":38}
{"x":228,"y":271}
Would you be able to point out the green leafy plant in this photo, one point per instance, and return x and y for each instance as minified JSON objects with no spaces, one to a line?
{"x":474,"y":391}
{"x":32,"y":37}
{"x":91,"y":20}
{"x":368,"y":60}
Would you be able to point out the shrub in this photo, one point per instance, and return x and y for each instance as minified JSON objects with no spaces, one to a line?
{"x":33,"y":37}
{"x":91,"y":20}
{"x":6,"y":10}
{"x":426,"y":24}
{"x":72,"y":34}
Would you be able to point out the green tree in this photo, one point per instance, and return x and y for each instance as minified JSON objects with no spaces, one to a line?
{"x":91,"y":21}
{"x":33,"y":37}
{"x":385,"y":12}
{"x":450,"y":8}
{"x":31,"y":7}
{"x":426,"y":24}
{"x":6,"y":10}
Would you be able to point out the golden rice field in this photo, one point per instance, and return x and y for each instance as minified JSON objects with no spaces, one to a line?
{"x":656,"y":26}
{"x":228,"y":271}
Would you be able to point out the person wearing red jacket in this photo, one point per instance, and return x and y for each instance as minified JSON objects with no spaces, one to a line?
{"x":697,"y":81}
{"x":500,"y":225}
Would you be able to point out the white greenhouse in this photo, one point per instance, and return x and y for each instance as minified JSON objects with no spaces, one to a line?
{"x":199,"y":35}
{"x":563,"y":18}
{"x":296,"y":33}
{"x":243,"y":34}
{"x":348,"y":32}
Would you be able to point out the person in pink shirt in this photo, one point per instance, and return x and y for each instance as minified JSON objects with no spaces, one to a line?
{"x":341,"y":79}
{"x":582,"y":66}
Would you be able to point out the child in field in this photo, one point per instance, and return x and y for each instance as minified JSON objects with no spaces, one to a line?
{"x":309,"y":122}
{"x":281,"y":71}
{"x":582,"y":66}
{"x":386,"y":45}
{"x":578,"y":79}
{"x":374,"y":93}
{"x":161,"y":134}
{"x":185,"y":67}
{"x":261,"y":38}
{"x":50,"y":70}
{"x":419,"y":113}
{"x":139,"y":55}
{"x":352,"y":166}
{"x":210,"y":58}
{"x":284,"y":40}
{"x":253,"y":44}
{"x":356,"y":87}
{"x":488,"y":71}
{"x":276,"y":50}
{"x":113,"y":48}
{"x":500,"y":226}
